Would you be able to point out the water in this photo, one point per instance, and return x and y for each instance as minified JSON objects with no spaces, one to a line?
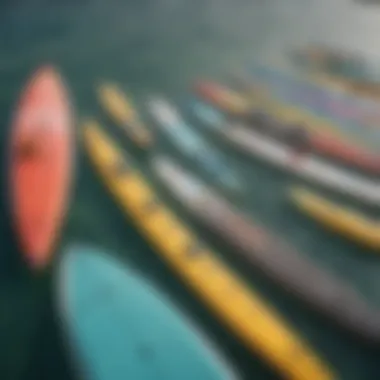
{"x":161,"y":46}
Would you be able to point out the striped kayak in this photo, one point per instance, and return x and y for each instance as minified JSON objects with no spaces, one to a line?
{"x":306,"y":166}
{"x":352,"y":114}
{"x":123,"y":112}
{"x":334,"y":146}
{"x":254,"y":322}
{"x":270,"y":255}
{"x":122,"y":328}
{"x":346,"y":222}
{"x":193,"y":145}
{"x":314,"y":122}
{"x":323,"y":144}
{"x":41,"y":165}
{"x":240,"y":103}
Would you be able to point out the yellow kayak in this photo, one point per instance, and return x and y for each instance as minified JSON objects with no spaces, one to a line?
{"x":349,"y":223}
{"x":254,"y":322}
{"x":121,"y":109}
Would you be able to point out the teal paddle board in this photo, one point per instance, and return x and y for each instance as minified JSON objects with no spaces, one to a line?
{"x":192,"y":145}
{"x":119,"y":327}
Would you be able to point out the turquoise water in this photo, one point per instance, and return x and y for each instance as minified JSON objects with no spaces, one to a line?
{"x":161,"y":47}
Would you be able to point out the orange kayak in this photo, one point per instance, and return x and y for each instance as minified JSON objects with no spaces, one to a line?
{"x":42,"y":147}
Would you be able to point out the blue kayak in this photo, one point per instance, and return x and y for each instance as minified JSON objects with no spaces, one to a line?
{"x":192,"y":145}
{"x":121,"y":328}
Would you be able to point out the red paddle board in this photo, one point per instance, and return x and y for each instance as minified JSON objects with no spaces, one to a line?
{"x":41,"y":164}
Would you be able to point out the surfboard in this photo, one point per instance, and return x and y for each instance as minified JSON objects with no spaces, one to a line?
{"x":41,"y":156}
{"x":121,"y":327}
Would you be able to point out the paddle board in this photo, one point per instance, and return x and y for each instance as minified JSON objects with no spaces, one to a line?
{"x":345,"y":221}
{"x":306,"y":166}
{"x":268,"y":253}
{"x":41,"y":157}
{"x":120,"y":327}
{"x":194,"y":146}
{"x":123,"y":112}
{"x":252,"y":320}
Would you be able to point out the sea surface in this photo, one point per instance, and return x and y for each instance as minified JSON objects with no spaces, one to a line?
{"x":162,"y":46}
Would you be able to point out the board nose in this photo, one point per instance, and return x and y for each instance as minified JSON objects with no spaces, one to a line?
{"x":47,"y":71}
{"x":45,"y":87}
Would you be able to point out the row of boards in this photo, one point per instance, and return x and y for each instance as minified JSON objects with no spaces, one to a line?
{"x":346,"y":222}
{"x":42,"y":149}
{"x":118,"y":326}
{"x":40,"y":187}
{"x":269,"y":336}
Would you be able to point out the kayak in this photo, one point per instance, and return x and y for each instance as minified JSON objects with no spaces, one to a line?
{"x":346,"y":222}
{"x":41,"y":163}
{"x":351,"y":113}
{"x":304,"y":165}
{"x":221,"y":97}
{"x":311,"y":120}
{"x":335,"y":147}
{"x":270,"y":255}
{"x":192,"y":145}
{"x":123,"y":112}
{"x":254,"y":322}
{"x":120,"y":327}
{"x":338,"y":149}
